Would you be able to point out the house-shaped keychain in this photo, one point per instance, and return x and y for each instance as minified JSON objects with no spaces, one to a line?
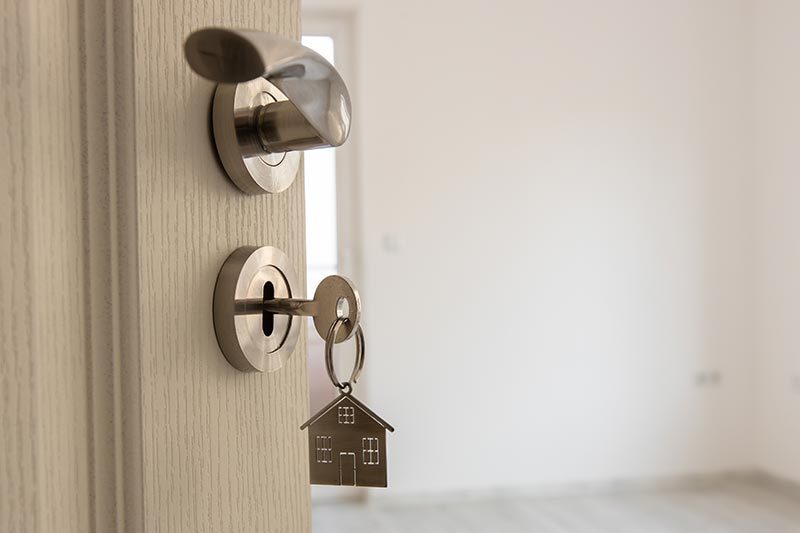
{"x":347,"y":444}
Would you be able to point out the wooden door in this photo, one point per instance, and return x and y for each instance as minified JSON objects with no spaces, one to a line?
{"x":118,"y":411}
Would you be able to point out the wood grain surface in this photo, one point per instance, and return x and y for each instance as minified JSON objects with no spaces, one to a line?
{"x":118,"y":410}
{"x":221,"y":450}
{"x":45,"y":442}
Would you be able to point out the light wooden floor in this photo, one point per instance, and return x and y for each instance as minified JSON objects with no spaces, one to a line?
{"x":725,"y":506}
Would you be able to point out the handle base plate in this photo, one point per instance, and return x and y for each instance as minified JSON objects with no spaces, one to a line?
{"x":251,"y":169}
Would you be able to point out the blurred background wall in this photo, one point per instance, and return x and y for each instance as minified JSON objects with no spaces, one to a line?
{"x":577,"y":238}
{"x":777,"y":77}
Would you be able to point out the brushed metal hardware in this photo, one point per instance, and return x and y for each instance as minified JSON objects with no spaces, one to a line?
{"x":358,"y":365}
{"x":345,"y":427}
{"x":335,"y":297}
{"x":275,"y":97}
{"x":259,"y":284}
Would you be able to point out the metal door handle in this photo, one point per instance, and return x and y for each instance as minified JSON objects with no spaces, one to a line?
{"x":275,"y":97}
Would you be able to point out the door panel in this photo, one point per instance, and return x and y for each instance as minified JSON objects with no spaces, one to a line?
{"x":44,"y":372}
{"x":221,"y":449}
{"x":119,"y":412}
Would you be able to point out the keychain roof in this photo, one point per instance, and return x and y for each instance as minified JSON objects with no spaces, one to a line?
{"x":357,"y":403}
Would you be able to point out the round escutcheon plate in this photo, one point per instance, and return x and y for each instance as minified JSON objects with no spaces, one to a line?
{"x":241,"y":338}
{"x":238,"y":145}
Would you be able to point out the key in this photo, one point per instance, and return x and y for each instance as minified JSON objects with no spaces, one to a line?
{"x":335,"y":297}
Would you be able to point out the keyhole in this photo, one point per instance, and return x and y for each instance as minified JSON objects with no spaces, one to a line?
{"x":267,"y":318}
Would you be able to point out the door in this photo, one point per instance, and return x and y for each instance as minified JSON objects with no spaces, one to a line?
{"x":347,"y":469}
{"x":119,"y":411}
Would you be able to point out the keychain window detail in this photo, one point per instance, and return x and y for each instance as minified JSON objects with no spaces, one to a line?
{"x":369,"y":451}
{"x":324,"y":450}
{"x":347,"y":415}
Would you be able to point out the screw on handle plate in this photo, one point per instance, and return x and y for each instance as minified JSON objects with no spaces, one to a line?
{"x":335,"y":297}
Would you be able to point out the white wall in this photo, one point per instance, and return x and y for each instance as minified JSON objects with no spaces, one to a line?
{"x":557,"y":226}
{"x":778,"y":157}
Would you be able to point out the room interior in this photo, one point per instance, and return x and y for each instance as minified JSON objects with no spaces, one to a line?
{"x":574,"y":226}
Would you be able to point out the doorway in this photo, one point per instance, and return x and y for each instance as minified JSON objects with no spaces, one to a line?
{"x":332,"y":207}
{"x":347,"y":469}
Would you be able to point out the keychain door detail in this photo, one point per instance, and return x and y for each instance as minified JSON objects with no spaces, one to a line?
{"x":346,"y":439}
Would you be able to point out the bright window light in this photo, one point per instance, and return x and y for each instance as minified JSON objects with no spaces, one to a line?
{"x":320,"y":176}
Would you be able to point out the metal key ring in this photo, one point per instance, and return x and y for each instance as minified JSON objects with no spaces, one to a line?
{"x":358,"y":365}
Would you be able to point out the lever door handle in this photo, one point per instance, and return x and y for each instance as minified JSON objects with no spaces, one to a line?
{"x":275,"y":97}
